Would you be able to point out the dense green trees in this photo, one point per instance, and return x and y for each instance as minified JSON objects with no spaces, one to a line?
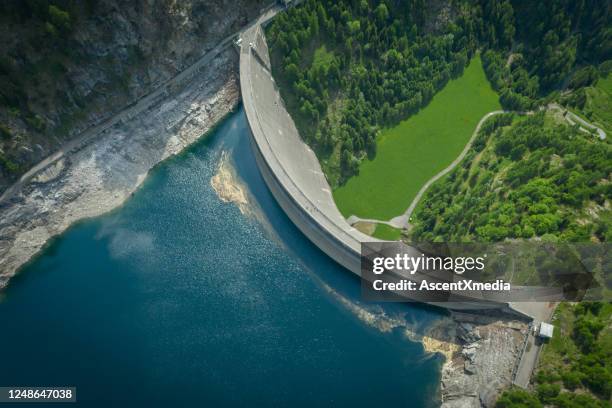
{"x":582,"y":375}
{"x":585,"y":332}
{"x":518,"y":398}
{"x":388,"y":59}
{"x":382,"y":66}
{"x":534,"y":47}
{"x":533,"y":178}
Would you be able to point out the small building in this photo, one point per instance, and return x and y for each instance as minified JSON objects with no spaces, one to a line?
{"x":546,"y":330}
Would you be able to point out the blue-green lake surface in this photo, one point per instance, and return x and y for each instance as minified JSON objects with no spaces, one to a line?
{"x":178,"y":299}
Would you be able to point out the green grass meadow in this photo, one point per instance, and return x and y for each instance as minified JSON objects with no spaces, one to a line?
{"x":383,"y":231}
{"x":416,"y":149}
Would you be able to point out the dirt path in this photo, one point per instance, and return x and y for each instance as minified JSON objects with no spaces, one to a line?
{"x":403,"y":221}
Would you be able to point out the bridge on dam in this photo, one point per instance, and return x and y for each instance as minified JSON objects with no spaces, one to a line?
{"x":293,"y":174}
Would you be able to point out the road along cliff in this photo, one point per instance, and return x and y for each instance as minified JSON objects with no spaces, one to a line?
{"x":101,"y":175}
{"x":66,"y":66}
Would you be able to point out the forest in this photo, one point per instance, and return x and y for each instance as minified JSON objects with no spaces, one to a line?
{"x":535,"y":177}
{"x":533,"y":49}
{"x":524,"y":177}
{"x":378,"y":70}
{"x":347,"y":69}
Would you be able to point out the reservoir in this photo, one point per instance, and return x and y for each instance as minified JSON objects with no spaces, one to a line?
{"x":180,"y":299}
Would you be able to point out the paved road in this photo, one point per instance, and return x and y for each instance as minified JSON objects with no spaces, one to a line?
{"x":131,"y":110}
{"x":540,"y":312}
{"x":572,"y":119}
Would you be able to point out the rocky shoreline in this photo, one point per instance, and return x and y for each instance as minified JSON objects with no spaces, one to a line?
{"x":481,"y":351}
{"x":101,"y":175}
{"x":489,"y":349}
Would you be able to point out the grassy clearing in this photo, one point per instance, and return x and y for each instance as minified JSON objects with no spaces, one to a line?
{"x":598,"y":107}
{"x":412,"y":152}
{"x":383,"y":231}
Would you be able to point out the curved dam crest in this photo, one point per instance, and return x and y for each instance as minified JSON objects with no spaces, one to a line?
{"x":293,"y":173}
{"x":289,"y":167}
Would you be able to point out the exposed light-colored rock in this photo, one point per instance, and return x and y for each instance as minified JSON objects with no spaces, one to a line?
{"x":482,"y":368}
{"x":103,"y":174}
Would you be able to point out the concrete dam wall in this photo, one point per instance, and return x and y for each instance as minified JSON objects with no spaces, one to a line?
{"x":290,"y":168}
{"x":293,"y":174}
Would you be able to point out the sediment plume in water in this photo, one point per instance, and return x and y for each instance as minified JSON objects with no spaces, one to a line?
{"x":227,"y":187}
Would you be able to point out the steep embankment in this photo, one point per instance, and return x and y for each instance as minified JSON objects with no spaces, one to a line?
{"x":103,"y":174}
{"x":96,"y":176}
{"x":66,"y":66}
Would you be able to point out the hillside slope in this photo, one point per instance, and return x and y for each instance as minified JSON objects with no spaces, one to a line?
{"x":66,"y":65}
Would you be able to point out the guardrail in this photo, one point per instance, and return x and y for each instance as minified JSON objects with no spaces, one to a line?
{"x":523,"y":348}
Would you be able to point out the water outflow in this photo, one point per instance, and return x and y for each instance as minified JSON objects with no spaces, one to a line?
{"x":180,"y":299}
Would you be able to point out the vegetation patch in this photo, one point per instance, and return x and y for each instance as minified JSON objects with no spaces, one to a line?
{"x":322,"y":58}
{"x":8,"y":165}
{"x":416,"y":149}
{"x":594,"y":103}
{"x":533,"y":177}
{"x":386,"y":60}
{"x":348,"y":69}
{"x":384,"y":231}
{"x":575,"y":367}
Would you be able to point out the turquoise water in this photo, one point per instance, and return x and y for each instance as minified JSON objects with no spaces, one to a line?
{"x":178,"y":299}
